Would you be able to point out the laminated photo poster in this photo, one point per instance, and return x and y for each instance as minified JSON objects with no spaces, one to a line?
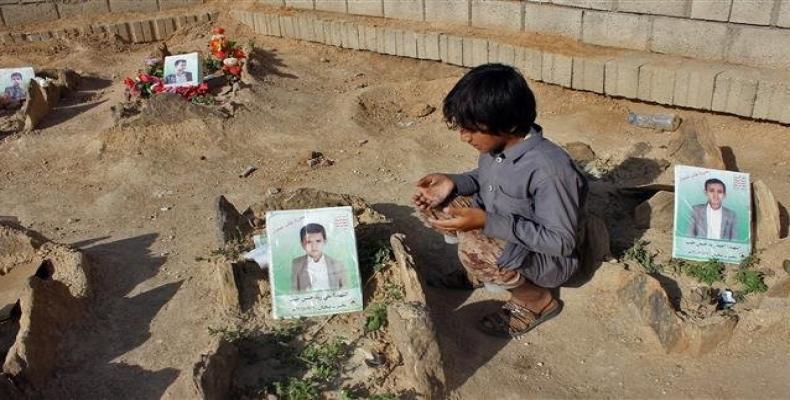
{"x":314,"y":267}
{"x":713,"y":215}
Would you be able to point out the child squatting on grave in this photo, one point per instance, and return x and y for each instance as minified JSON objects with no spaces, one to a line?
{"x":517,"y":215}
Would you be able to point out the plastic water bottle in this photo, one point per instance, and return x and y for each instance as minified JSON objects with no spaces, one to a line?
{"x":661,"y":122}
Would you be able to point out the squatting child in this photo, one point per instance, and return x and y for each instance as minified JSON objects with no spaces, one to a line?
{"x":517,"y":215}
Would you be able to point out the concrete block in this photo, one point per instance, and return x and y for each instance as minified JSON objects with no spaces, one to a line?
{"x":141,"y":6}
{"x":273,"y":25}
{"x":123,"y":30}
{"x":351,"y":39}
{"x":452,"y":49}
{"x":772,"y":101}
{"x":300,"y":4}
{"x":530,"y":62}
{"x":304,"y":27}
{"x":674,"y":8}
{"x":338,"y":6}
{"x":452,"y":11}
{"x":711,"y":10}
{"x":755,"y":12}
{"x":368,"y":38}
{"x":373,"y":8}
{"x":5,"y":38}
{"x":630,"y":31}
{"x":67,"y":10}
{"x":760,"y":46}
{"x":475,"y":52}
{"x":336,"y":31}
{"x":280,"y":3}
{"x":24,"y":14}
{"x":606,"y":5}
{"x":557,"y":69}
{"x":588,"y":74}
{"x":498,"y":14}
{"x":656,"y":83}
{"x":501,"y":53}
{"x":326,"y":28}
{"x":170,"y":4}
{"x":735,"y":92}
{"x":288,"y":27}
{"x":404,"y":9}
{"x":391,"y":41}
{"x":165,"y":27}
{"x":18,"y":37}
{"x":549,"y":19}
{"x":407,"y":44}
{"x":694,"y":86}
{"x":783,"y":18}
{"x":621,"y":76}
{"x":689,"y":38}
{"x":259,"y":23}
{"x":428,"y":46}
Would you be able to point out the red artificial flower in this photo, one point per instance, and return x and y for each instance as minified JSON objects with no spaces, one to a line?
{"x":129,"y":82}
{"x":218,"y":31}
{"x":239,"y":53}
{"x":145,"y":78}
{"x":234,"y":70}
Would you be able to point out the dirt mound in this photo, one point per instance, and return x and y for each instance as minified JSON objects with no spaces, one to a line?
{"x":355,"y":354}
{"x":43,"y":290}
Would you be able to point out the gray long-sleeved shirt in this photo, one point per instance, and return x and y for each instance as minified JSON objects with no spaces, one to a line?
{"x":533,"y":196}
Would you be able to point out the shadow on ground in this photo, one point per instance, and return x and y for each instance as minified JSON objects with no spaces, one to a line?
{"x":86,"y":97}
{"x":116,"y":323}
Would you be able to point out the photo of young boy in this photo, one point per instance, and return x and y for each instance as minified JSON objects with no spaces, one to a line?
{"x":14,"y":83}
{"x":516,"y":215}
{"x":182,"y":70}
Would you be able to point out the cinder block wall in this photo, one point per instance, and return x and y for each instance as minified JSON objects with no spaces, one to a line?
{"x":747,"y":32}
{"x":19,"y":12}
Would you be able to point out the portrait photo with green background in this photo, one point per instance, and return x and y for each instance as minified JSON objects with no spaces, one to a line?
{"x":691,"y":191}
{"x":284,"y":236}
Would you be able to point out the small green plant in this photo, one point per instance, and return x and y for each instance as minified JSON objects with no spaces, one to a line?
{"x":642,"y":256}
{"x":324,"y":359}
{"x":296,"y":389}
{"x":377,"y":317}
{"x":204,"y":100}
{"x":392,"y":292}
{"x":706,"y":272}
{"x":751,"y":281}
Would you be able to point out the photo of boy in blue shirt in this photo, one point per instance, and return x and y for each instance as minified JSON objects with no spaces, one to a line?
{"x":517,"y":216}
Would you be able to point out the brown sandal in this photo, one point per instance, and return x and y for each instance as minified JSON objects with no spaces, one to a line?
{"x":514,"y":320}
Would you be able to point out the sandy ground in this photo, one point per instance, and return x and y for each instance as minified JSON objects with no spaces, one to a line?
{"x":82,"y":181}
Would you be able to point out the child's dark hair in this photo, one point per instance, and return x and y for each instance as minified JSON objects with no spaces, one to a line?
{"x":312,"y":228}
{"x":491,"y":98}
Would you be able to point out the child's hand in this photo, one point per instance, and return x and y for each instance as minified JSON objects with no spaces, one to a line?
{"x":432,"y":190}
{"x":461,"y":219}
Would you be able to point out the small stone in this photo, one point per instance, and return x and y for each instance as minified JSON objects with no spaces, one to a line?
{"x":363,"y":142}
{"x":274,"y":190}
{"x":324,"y":60}
{"x":421,"y":110}
{"x":580,"y":152}
{"x":786,"y":266}
{"x":247,"y":171}
{"x":540,"y":364}
{"x":165,"y":208}
{"x":767,"y":221}
{"x":202,"y":158}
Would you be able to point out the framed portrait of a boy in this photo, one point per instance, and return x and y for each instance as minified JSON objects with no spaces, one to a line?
{"x":314,"y":267}
{"x":712,"y":215}
{"x":14,"y":83}
{"x":182,"y":70}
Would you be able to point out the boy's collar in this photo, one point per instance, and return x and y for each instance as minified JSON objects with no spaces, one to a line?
{"x":514,"y":153}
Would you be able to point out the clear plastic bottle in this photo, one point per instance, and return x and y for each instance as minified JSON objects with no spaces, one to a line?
{"x":661,"y":122}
